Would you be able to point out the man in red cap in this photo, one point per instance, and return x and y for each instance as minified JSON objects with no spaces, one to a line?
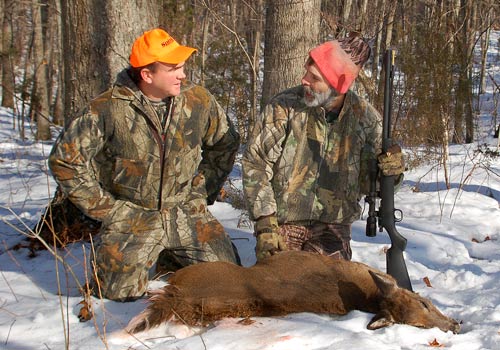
{"x":305,"y":165}
{"x":146,"y":158}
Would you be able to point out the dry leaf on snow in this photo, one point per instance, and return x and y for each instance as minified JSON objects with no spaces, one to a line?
{"x":436,"y":344}
{"x":84,"y":315}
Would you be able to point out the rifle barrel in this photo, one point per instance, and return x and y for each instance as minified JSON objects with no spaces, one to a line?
{"x":396,"y":265}
{"x":389,"y":75}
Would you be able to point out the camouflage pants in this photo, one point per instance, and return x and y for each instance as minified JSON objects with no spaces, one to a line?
{"x":132,"y":240}
{"x":326,"y":239}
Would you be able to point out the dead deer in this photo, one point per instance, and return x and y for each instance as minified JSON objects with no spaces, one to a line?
{"x":288,"y":282}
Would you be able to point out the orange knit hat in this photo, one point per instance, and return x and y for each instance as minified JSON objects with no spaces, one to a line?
{"x":341,"y":60}
{"x":158,"y":46}
{"x":335,"y":64}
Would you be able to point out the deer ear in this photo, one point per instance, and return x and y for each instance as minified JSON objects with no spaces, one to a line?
{"x":384,"y":282}
{"x":380,"y":320}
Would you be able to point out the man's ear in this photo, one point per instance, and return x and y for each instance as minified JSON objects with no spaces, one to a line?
{"x":147,"y":75}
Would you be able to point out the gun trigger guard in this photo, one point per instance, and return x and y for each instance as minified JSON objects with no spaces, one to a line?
{"x":399,"y":217}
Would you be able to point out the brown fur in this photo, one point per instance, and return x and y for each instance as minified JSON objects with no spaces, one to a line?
{"x":285,"y":283}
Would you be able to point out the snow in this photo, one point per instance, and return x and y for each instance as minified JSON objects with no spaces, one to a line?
{"x":453,"y":240}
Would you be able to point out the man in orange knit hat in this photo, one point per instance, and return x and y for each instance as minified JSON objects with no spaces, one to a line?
{"x":305,"y":165}
{"x":146,"y":158}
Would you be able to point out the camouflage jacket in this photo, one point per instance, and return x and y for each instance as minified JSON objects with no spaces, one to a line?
{"x":119,"y":150}
{"x":302,"y":167}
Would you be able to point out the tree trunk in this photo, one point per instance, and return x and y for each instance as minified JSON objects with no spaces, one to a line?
{"x":39,"y":94}
{"x":56,"y":62}
{"x":363,"y":16}
{"x":204,"y":39}
{"x":485,"y":40}
{"x":463,"y":105}
{"x":346,"y":10}
{"x":376,"y":49}
{"x":97,"y":39}
{"x":469,"y":35}
{"x":7,"y":57}
{"x":287,"y":47}
{"x":254,"y":36}
{"x":390,"y":24}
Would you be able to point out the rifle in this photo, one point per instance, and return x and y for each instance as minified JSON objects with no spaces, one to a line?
{"x":396,"y":266}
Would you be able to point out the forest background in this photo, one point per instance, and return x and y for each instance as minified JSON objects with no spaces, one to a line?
{"x":57,"y":54}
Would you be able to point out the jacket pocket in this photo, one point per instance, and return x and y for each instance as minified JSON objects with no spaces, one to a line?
{"x":128,"y":175}
{"x":128,"y":218}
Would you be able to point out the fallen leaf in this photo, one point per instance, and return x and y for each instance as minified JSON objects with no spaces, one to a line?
{"x":436,"y":344}
{"x":427,"y":282}
{"x":475,"y":240}
{"x":84,"y":314}
{"x":246,"y":321}
{"x":222,"y":195}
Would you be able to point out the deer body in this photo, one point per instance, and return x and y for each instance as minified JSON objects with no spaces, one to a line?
{"x":288,"y":282}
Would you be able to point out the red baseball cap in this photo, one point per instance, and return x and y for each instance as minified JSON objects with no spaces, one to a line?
{"x":158,"y":46}
{"x":336,"y":65}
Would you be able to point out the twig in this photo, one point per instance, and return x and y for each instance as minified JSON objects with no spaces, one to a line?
{"x":200,"y":334}
{"x":202,"y":313}
{"x":8,"y":285}
{"x":7,"y":282}
{"x":102,"y":335}
{"x":59,"y":293}
{"x":8,"y":334}
{"x":7,"y":311}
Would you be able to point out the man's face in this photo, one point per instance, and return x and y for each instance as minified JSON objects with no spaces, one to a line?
{"x":164,"y":80}
{"x":317,"y":90}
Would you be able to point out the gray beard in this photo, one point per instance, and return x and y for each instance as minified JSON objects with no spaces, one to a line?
{"x":321,"y":99}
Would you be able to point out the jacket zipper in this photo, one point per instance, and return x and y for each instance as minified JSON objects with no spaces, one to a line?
{"x":162,"y":149}
{"x":160,"y":140}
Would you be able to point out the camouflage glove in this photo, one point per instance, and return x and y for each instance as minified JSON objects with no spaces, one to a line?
{"x":392,"y":163}
{"x":269,"y":241}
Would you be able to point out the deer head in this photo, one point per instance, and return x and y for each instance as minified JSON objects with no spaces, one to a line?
{"x":398,"y":305}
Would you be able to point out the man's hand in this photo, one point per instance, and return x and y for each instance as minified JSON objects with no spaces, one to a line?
{"x":269,"y":241}
{"x":268,"y":244}
{"x":392,"y":162}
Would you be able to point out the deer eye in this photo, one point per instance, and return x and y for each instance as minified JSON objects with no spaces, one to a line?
{"x":424,"y":304}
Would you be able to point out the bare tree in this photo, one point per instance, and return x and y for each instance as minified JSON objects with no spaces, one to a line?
{"x":464,"y":47}
{"x":39,"y":92}
{"x":55,"y":66}
{"x":377,"y":50}
{"x":292,"y":29}
{"x":7,"y":55}
{"x":254,"y":35}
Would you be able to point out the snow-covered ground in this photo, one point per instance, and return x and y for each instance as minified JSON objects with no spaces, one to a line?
{"x":453,"y":240}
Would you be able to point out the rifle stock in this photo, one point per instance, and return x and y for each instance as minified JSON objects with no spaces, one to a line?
{"x":396,"y":266}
